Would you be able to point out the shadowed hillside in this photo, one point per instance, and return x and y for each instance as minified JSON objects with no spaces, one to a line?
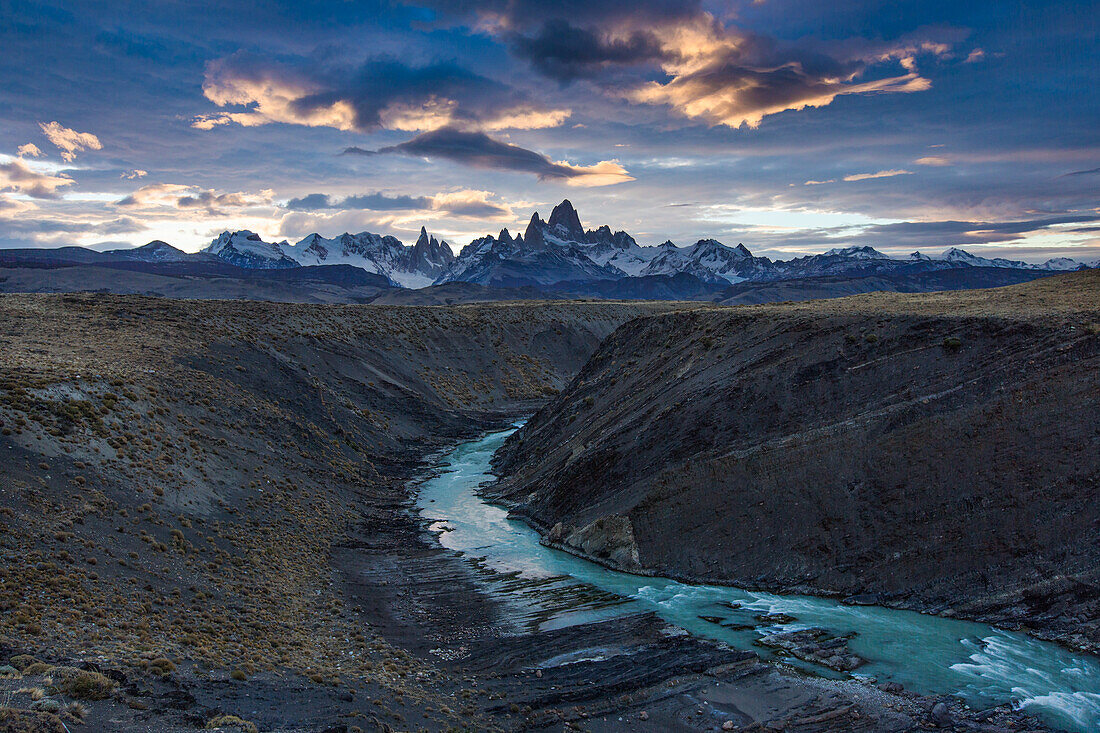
{"x":936,"y":451}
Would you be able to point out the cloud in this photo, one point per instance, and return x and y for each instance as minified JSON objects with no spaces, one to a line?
{"x":133,"y":174}
{"x":471,"y":204}
{"x":879,"y":174}
{"x":713,"y":71}
{"x":565,"y":52}
{"x":17,"y":177}
{"x":30,"y":150}
{"x":192,"y":198}
{"x":370,"y":201}
{"x":69,"y":142}
{"x":934,"y":234}
{"x":465,"y":203}
{"x":481,"y":151}
{"x":381,"y":93}
{"x":1089,"y":172}
{"x":10,"y":206}
{"x":934,"y":160}
{"x":503,"y":15}
{"x":53,"y":225}
{"x":725,"y":76}
{"x":818,"y":183}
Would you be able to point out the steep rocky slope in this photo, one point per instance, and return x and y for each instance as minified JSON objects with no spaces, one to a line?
{"x":175,"y":477}
{"x":939,"y":452}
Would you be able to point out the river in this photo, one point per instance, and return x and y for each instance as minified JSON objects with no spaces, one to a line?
{"x":927,"y":654}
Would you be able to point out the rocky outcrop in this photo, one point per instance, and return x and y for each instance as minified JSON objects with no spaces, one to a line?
{"x":609,"y":540}
{"x":937,"y":451}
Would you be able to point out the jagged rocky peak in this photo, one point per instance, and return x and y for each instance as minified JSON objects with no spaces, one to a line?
{"x":533,"y":236}
{"x":504,"y":236}
{"x":565,"y":223}
{"x":423,"y":239}
{"x":429,"y":251}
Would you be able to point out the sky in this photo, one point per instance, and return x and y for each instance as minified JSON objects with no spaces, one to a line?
{"x":792,"y":126}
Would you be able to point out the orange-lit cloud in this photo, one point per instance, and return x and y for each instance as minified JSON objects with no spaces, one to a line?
{"x":177,"y":197}
{"x":69,"y":142}
{"x":879,"y":174}
{"x":17,"y":177}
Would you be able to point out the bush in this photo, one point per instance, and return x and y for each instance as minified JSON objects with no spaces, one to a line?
{"x":952,"y":343}
{"x":22,"y":661}
{"x":82,"y":684}
{"x":35,"y":668}
{"x":232,"y":722}
{"x":26,"y":721}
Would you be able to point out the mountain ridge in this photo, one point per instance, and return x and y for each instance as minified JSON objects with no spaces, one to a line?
{"x":556,"y":252}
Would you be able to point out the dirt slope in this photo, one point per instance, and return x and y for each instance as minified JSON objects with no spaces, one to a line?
{"x":175,"y":476}
{"x":940,"y":452}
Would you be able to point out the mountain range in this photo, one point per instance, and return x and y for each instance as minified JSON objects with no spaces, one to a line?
{"x":559,"y":250}
{"x":556,"y":257}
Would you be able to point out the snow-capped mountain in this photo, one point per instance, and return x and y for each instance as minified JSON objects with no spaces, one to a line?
{"x":961,"y":256}
{"x":548,"y":252}
{"x":410,"y":267}
{"x":570,"y":252}
{"x":246,"y":249}
{"x":710,"y":261}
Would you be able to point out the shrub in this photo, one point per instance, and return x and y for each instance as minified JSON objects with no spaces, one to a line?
{"x":82,"y":684}
{"x":35,"y":668}
{"x":26,"y":721}
{"x":952,"y":343}
{"x":23,"y":661}
{"x":231,"y":721}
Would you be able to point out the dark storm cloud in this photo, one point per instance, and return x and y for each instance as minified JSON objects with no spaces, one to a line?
{"x":478,"y":150}
{"x":370,"y":201}
{"x":565,"y":52}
